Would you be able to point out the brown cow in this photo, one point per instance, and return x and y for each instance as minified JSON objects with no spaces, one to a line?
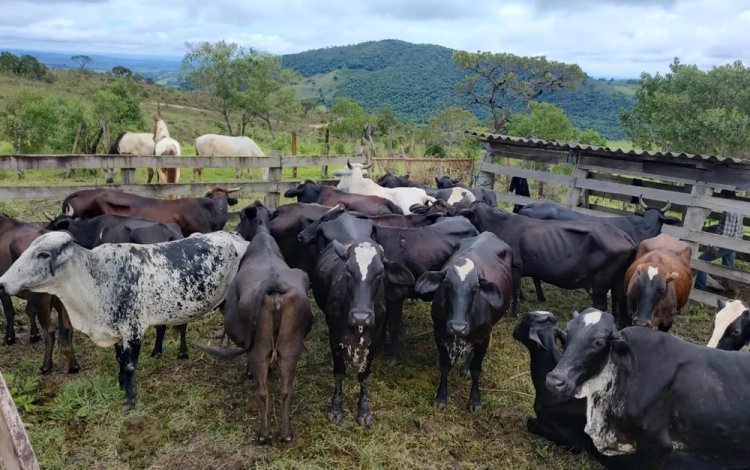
{"x":195,"y":214}
{"x":658,"y":282}
{"x":311,"y":192}
{"x":15,"y":237}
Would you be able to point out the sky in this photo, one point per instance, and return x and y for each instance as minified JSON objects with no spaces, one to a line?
{"x":607,"y":38}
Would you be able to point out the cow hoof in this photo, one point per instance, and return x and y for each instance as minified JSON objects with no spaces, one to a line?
{"x":441,"y":403}
{"x":465,"y":372}
{"x":44,"y":370}
{"x":74,"y":369}
{"x":532,"y":426}
{"x":182,"y":355}
{"x":35,"y":338}
{"x":365,"y":419}
{"x":128,"y":405}
{"x":286,"y":438}
{"x":335,"y":414}
{"x":264,"y":440}
{"x":473,"y":407}
{"x":156,"y":354}
{"x":10,"y":340}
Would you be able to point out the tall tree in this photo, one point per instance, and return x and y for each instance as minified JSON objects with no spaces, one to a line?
{"x":502,"y":83}
{"x":117,"y":104}
{"x":447,"y":128}
{"x":689,"y":110}
{"x":349,"y":119}
{"x":545,"y":121}
{"x":82,"y":60}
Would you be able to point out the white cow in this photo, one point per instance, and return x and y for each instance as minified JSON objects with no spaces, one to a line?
{"x":353,"y":180}
{"x":114,"y":292}
{"x":209,"y":145}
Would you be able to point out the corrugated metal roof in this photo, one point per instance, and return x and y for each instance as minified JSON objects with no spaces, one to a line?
{"x":593,"y":149}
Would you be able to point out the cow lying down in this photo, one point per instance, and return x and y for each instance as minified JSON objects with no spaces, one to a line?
{"x":115,"y":291}
{"x":651,"y":393}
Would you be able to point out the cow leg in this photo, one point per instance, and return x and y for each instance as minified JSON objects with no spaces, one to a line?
{"x":364,"y":412}
{"x":10,"y":317}
{"x":159,"y":343}
{"x":290,"y":344}
{"x":441,"y":397}
{"x":128,"y":364}
{"x":539,"y":291}
{"x":65,"y":335}
{"x":475,"y":397}
{"x":516,"y":274}
{"x":150,"y":173}
{"x":34,"y":336}
{"x":258,"y":364}
{"x":599,"y":298}
{"x":182,"y":353}
{"x":38,"y":305}
{"x":336,"y":410}
{"x":395,"y":310}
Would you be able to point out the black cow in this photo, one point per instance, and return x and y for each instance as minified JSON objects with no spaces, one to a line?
{"x":471,"y":295}
{"x":311,"y":192}
{"x":486,"y":196}
{"x":731,"y":326}
{"x":114,"y":228}
{"x":562,"y":419}
{"x":267,"y":313}
{"x":349,"y":284}
{"x":389,"y":180}
{"x":570,"y":255}
{"x":649,"y":392}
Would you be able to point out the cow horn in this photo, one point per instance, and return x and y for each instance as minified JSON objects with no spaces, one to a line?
{"x":367,"y":167}
{"x":207,"y":193}
{"x":234,"y":190}
{"x":47,"y":216}
{"x":642,"y":203}
{"x":348,"y":164}
{"x":666,"y":208}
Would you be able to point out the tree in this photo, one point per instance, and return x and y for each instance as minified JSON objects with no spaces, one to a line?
{"x":81,"y":60}
{"x":689,"y":110}
{"x":26,"y":66}
{"x":545,"y":121}
{"x":308,"y":105}
{"x":385,"y":124}
{"x":504,"y":82}
{"x":217,"y":69}
{"x":591,"y":137}
{"x":122,"y":71}
{"x":349,"y":119}
{"x":117,"y":104}
{"x":447,"y":127}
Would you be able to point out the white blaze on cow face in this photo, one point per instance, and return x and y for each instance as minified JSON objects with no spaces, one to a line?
{"x":592,"y":318}
{"x":363,"y":255}
{"x":652,"y":272}
{"x":464,"y":269}
{"x":725,"y":317}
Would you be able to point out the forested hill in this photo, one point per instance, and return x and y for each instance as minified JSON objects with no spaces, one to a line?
{"x":416,"y":80}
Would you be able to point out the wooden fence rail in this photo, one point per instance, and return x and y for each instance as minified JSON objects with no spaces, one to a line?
{"x":687,"y":181}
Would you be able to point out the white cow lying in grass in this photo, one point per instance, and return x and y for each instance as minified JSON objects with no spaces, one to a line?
{"x":115,"y":291}
{"x":353,"y":180}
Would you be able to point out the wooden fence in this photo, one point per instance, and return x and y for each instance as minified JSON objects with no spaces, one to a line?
{"x":274,"y":187}
{"x":16,"y":452}
{"x":687,"y":181}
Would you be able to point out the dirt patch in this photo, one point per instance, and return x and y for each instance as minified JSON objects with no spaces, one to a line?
{"x":140,"y":438}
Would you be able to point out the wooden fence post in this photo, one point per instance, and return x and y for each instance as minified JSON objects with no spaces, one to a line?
{"x":15,"y":449}
{"x":486,"y":179}
{"x":17,"y":146}
{"x":273,"y":198}
{"x":696,"y":216}
{"x":574,"y":192}
{"x":294,"y":152}
{"x":326,"y":151}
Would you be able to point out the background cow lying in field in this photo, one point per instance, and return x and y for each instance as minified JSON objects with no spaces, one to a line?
{"x":312,"y":192}
{"x":486,"y":196}
{"x":114,"y":292}
{"x":651,"y":393}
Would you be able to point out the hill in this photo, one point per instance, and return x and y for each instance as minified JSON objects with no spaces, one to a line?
{"x":416,"y":80}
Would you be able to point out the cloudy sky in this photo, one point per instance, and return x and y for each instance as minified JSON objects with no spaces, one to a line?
{"x":619,"y":38}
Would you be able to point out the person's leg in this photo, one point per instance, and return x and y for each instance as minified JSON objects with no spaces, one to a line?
{"x":700,"y":277}
{"x":727,"y":257}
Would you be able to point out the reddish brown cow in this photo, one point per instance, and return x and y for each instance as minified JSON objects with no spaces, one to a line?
{"x":658,"y":282}
{"x":195,"y":214}
{"x":313,"y":193}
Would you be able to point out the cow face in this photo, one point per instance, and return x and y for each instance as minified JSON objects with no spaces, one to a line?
{"x":655,"y":218}
{"x":592,"y":337}
{"x":538,"y":330}
{"x":460,"y":285}
{"x":646,"y":290}
{"x":446,"y":182}
{"x":222,"y":194}
{"x":731,"y":326}
{"x":389,"y":180}
{"x":61,"y":222}
{"x":39,"y":265}
{"x":308,"y":192}
{"x":366,"y":273}
{"x":252,"y":217}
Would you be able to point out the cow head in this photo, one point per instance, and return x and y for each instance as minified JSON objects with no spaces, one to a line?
{"x":731,"y":326}
{"x":351,"y":175}
{"x":461,"y":286}
{"x":389,"y":180}
{"x":539,"y":330}
{"x":308,"y":192}
{"x":61,"y":222}
{"x":366,"y":271}
{"x":222,"y":193}
{"x":251,"y":218}
{"x":655,"y":216}
{"x":310,"y":231}
{"x":648,"y":288}
{"x":592,"y":339}
{"x":39,"y":265}
{"x":446,"y":182}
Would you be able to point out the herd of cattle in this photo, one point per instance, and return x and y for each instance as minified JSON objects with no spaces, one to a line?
{"x":113,"y":264}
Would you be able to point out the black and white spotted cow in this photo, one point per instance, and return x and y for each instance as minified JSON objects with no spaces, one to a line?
{"x":115,"y":291}
{"x":651,"y":393}
{"x":731,"y":326}
{"x":472,"y":292}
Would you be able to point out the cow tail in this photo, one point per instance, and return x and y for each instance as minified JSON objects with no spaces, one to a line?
{"x":394,"y":208}
{"x":275,"y":289}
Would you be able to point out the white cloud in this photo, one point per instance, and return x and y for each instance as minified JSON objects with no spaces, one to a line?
{"x":606,"y":37}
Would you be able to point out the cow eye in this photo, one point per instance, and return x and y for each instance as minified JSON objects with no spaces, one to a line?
{"x":43,"y":255}
{"x":599,"y":342}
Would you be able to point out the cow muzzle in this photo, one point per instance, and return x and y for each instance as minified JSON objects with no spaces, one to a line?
{"x":361,"y":318}
{"x":458,"y":328}
{"x":560,"y":384}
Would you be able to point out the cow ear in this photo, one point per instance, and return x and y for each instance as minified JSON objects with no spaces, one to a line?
{"x":562,"y":336}
{"x":249,"y":212}
{"x":491,"y":293}
{"x":575,"y":313}
{"x":456,"y":181}
{"x":437,"y":181}
{"x":534,"y":336}
{"x":429,"y":282}
{"x":232,"y":201}
{"x":339,"y":249}
{"x":622,"y":353}
{"x":672,"y":276}
{"x":720,"y":303}
{"x":397,"y":273}
{"x":63,"y":224}
{"x":292,"y":193}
